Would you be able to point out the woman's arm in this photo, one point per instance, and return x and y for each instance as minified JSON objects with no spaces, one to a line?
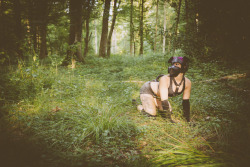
{"x":187,"y":90}
{"x":163,"y":87}
{"x":185,"y":102}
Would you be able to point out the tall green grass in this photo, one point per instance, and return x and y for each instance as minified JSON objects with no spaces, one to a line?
{"x":84,"y":115}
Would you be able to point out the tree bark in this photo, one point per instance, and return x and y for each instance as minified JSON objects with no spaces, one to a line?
{"x":141,"y":27}
{"x":186,"y":10}
{"x":164,"y":28}
{"x":156,"y":20}
{"x":87,"y":17}
{"x":18,"y":28}
{"x":1,"y":8}
{"x":177,"y":24}
{"x":2,"y":25}
{"x":43,"y":22}
{"x":96,"y":41}
{"x":43,"y":46}
{"x":86,"y":39}
{"x":103,"y":42}
{"x":75,"y":32}
{"x":131,"y":27}
{"x":32,"y":26}
{"x":112,"y":26}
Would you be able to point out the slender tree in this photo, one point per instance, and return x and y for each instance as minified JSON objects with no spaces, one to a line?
{"x":164,"y":28}
{"x":96,"y":41}
{"x":131,"y":27}
{"x":177,"y":24}
{"x":32,"y":26}
{"x":141,"y":26}
{"x":112,"y":25}
{"x":88,"y":9}
{"x":156,"y":20}
{"x":1,"y":8}
{"x":3,"y":24}
{"x":38,"y":18}
{"x":43,"y":17}
{"x":75,"y":33}
{"x":18,"y":28}
{"x":103,"y":42}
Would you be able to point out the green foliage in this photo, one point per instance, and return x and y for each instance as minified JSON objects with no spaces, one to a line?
{"x":58,"y":37}
{"x":84,"y":115}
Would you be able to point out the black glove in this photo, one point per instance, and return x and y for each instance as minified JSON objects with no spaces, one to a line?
{"x":186,"y":109}
{"x":166,"y":112}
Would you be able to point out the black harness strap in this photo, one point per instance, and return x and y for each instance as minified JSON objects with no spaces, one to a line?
{"x":177,"y":85}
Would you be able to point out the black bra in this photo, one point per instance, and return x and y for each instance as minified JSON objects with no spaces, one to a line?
{"x":171,"y":92}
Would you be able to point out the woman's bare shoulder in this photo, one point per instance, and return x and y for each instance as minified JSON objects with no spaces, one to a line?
{"x":165,"y":77}
{"x":188,"y":82}
{"x":164,"y":81}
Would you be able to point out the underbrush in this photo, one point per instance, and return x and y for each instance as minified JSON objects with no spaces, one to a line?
{"x":84,"y":116}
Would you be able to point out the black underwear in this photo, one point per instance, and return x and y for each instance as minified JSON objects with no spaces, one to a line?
{"x":146,"y":88}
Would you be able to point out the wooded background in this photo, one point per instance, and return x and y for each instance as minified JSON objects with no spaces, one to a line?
{"x":73,"y":29}
{"x":52,"y":115}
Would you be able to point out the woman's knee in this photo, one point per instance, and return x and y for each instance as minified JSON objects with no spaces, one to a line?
{"x":148,"y":104}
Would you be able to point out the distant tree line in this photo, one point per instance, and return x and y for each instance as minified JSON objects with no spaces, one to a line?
{"x":205,"y":29}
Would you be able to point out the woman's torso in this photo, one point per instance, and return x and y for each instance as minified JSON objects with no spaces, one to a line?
{"x":171,"y":88}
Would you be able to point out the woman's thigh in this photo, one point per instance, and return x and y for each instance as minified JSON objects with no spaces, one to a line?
{"x":148,"y":103}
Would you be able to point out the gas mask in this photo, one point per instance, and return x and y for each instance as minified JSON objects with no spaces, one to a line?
{"x":174,"y":71}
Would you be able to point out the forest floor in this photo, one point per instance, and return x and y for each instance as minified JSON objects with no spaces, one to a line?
{"x":84,"y":117}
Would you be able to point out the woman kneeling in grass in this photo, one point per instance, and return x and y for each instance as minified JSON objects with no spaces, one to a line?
{"x":154,"y":94}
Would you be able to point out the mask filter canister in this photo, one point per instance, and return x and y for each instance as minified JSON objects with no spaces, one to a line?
{"x":174,"y":71}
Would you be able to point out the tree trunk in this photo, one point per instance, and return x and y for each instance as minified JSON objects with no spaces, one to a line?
{"x":1,"y":8}
{"x":141,"y":27}
{"x":134,"y":45}
{"x":103,"y":42}
{"x":87,"y":17}
{"x":43,"y":22}
{"x":43,"y":46}
{"x":177,"y":23}
{"x":18,"y":28}
{"x":33,"y":26}
{"x":75,"y":32}
{"x":2,"y":26}
{"x":96,"y":41}
{"x":131,"y":27}
{"x":112,"y":26}
{"x":186,"y":10}
{"x":115,"y":42}
{"x":86,"y":39}
{"x":156,"y":20}
{"x":191,"y":28}
{"x":164,"y":28}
